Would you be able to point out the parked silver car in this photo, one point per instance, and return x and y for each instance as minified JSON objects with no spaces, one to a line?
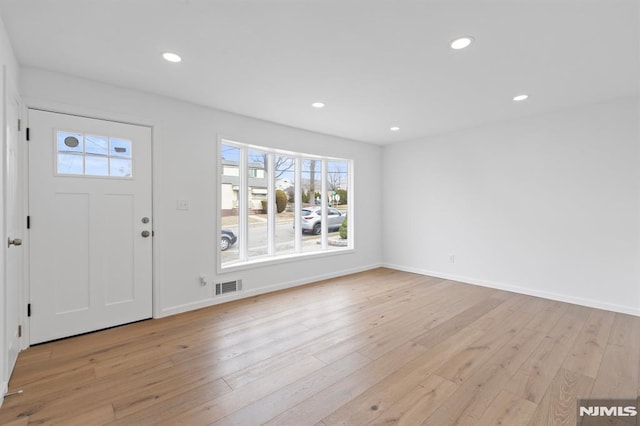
{"x":311,"y":217}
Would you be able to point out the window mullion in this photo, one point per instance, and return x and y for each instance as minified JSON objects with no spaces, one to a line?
{"x":297,"y":211}
{"x":244,"y":205}
{"x":271,"y":205}
{"x":323,"y":197}
{"x":350,"y":204}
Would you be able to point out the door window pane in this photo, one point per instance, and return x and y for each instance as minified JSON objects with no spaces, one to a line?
{"x":96,"y":166}
{"x":70,"y":142}
{"x":119,"y":148}
{"x":70,"y":164}
{"x":120,"y":167}
{"x":98,"y":145}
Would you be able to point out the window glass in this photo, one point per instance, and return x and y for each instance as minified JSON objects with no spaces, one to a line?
{"x":285,"y":172}
{"x":337,"y":194}
{"x":229,"y":204}
{"x":311,"y":218}
{"x":120,"y":148}
{"x":97,"y":145}
{"x":96,"y":166}
{"x":120,"y":167}
{"x":258,"y":199}
{"x":70,"y":164}
{"x":70,"y":142}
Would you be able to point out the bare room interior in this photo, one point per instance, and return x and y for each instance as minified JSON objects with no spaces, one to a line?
{"x":320,"y":212}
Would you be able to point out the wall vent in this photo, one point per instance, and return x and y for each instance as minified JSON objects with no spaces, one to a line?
{"x":228,"y":287}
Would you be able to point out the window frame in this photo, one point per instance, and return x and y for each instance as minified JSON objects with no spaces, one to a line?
{"x":271,"y":258}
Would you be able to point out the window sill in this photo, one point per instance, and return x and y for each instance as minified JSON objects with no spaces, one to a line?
{"x":270,"y":261}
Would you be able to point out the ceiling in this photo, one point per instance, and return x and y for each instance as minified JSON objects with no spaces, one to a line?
{"x":375,"y":63}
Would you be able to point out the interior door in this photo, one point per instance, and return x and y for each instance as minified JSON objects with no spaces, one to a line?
{"x":13,"y":232}
{"x":90,"y":224}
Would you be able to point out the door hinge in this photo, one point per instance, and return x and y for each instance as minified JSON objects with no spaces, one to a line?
{"x":28,"y":134}
{"x":28,"y":309}
{"x":19,"y":125}
{"x":19,"y":331}
{"x":28,"y":222}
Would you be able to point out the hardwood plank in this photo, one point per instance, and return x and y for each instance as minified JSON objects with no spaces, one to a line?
{"x":619,"y":373}
{"x":418,"y":404}
{"x":96,"y":416}
{"x":508,"y":409}
{"x":23,"y":421}
{"x":313,"y":409}
{"x":625,"y":332}
{"x":203,"y":408}
{"x":588,"y":348}
{"x":463,"y":319}
{"x":397,"y":390}
{"x":467,"y":404}
{"x":558,"y":406}
{"x":387,"y":327}
{"x":270,"y":406}
{"x":461,"y":366}
{"x":534,"y":377}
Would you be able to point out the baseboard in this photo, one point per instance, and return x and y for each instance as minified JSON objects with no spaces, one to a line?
{"x":521,"y":290}
{"x":173,"y":310}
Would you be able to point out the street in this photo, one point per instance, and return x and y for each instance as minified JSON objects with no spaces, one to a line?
{"x":284,"y":234}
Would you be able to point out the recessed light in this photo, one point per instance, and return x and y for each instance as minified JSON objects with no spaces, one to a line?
{"x":461,"y":42}
{"x":520,"y":97}
{"x":318,"y":104}
{"x":394,"y":128}
{"x":171,"y":57}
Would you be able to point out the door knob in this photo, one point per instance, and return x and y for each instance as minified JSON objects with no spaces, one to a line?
{"x":145,"y":234}
{"x":15,"y":242}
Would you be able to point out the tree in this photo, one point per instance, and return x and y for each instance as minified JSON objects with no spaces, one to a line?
{"x":343,"y":229}
{"x":283,"y":164}
{"x":281,"y":202}
{"x":335,"y":179}
{"x":312,"y":177}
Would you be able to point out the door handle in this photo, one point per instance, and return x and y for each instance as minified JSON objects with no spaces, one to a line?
{"x":15,"y":242}
{"x":145,"y":234}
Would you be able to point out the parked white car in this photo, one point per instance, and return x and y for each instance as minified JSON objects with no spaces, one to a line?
{"x":311,"y":219}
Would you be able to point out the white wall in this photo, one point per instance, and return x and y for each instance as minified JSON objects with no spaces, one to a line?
{"x":185,"y":138}
{"x":547,"y":205}
{"x":9,"y":66}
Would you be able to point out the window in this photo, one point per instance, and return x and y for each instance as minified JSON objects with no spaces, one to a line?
{"x":277,"y":205}
{"x":92,"y":155}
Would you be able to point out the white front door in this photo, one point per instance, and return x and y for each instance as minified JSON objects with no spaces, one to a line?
{"x":14,"y":233}
{"x":90,"y":224}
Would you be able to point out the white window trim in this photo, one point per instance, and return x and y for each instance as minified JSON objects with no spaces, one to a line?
{"x":272,"y":258}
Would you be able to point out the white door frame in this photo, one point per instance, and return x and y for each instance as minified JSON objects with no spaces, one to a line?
{"x":11,"y":96}
{"x":61,"y":108}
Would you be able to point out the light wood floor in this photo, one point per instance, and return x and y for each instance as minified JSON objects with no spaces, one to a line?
{"x":379,"y":347}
